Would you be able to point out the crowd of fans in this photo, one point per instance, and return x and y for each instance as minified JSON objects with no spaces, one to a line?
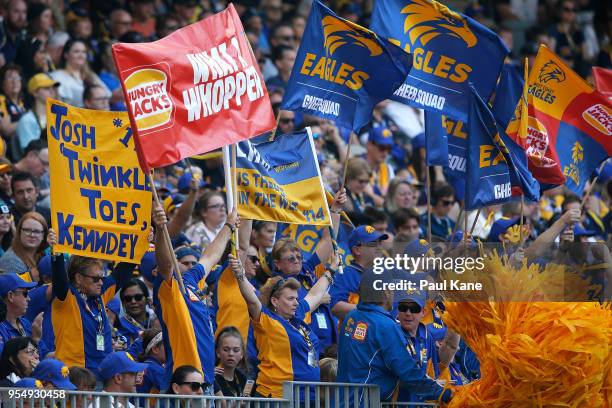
{"x":81,"y":323}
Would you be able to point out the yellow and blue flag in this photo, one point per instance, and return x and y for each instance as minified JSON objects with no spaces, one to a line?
{"x":280,"y":181}
{"x":342,"y":70}
{"x":569,"y":124}
{"x":455,"y":170}
{"x":449,"y":50}
{"x":436,"y":140}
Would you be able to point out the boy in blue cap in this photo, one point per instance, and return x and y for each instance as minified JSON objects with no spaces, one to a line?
{"x":53,"y":374}
{"x":118,"y":372}
{"x":14,"y":293}
{"x":365,"y":245}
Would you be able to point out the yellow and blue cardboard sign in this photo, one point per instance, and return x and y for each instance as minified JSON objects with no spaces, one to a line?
{"x":100,"y":198}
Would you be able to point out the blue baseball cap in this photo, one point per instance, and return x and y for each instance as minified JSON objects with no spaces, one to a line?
{"x":28,"y":382}
{"x":416,"y":296}
{"x":119,"y":362}
{"x":184,"y":251}
{"x":381,"y":135}
{"x":416,"y":247}
{"x":183,"y":183}
{"x":365,"y":234}
{"x":147,"y":264}
{"x":44,"y":266}
{"x":501,"y":226}
{"x":10,"y":282}
{"x":55,"y":372}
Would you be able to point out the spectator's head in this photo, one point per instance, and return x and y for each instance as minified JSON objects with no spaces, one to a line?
{"x":358,"y":175}
{"x":298,"y":23}
{"x":211,"y":209}
{"x":283,"y":34}
{"x":82,"y":378}
{"x":251,"y":263}
{"x":74,"y":55}
{"x":410,"y":311}
{"x":53,"y":374}
{"x":284,"y":58}
{"x":6,"y":175}
{"x":119,"y":23}
{"x":41,"y":86}
{"x":11,"y":80}
{"x":19,"y":357}
{"x":506,"y":35}
{"x":81,"y":28}
{"x":16,"y":15}
{"x":263,"y":234}
{"x":5,"y":220}
{"x":132,"y":37}
{"x":153,"y":345}
{"x":40,"y":19}
{"x":143,"y":10}
{"x":31,"y":238}
{"x":273,"y":11}
{"x":281,"y":296}
{"x":508,"y":231}
{"x":186,"y":380}
{"x":36,"y":155}
{"x":365,"y":244}
{"x":380,"y":142}
{"x":185,"y":10}
{"x":86,"y":274}
{"x":134,"y":297}
{"x":376,"y":218}
{"x":97,"y":98}
{"x":329,"y":369}
{"x":166,"y":24}
{"x":406,"y":224}
{"x":568,"y":12}
{"x":286,"y":122}
{"x":571,"y":202}
{"x":442,"y":200}
{"x":229,"y":347}
{"x":118,"y":372}
{"x":400,"y":195}
{"x":55,"y":46}
{"x":287,"y":256}
{"x":14,"y":293}
{"x":32,"y":56}
{"x":25,"y":191}
{"x":188,"y":255}
{"x":252,"y":22}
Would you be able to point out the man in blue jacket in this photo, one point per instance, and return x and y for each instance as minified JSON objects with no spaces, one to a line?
{"x":373,"y":350}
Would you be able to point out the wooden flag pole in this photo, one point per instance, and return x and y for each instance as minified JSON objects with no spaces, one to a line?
{"x":521,"y":221}
{"x":458,"y":219}
{"x":234,"y":148}
{"x":346,"y":160}
{"x":167,"y":240}
{"x":588,"y":192}
{"x":465,"y":224}
{"x":229,"y":194}
{"x":475,"y":221}
{"x":428,"y":188}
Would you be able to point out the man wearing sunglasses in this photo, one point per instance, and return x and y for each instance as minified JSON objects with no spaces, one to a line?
{"x":442,"y":200}
{"x":118,"y":372}
{"x":380,"y":142}
{"x":14,"y":293}
{"x":421,"y":344}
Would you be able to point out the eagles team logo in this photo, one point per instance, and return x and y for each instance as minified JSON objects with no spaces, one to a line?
{"x":369,"y":229}
{"x":338,"y":33}
{"x":426,"y":20}
{"x":551,"y":72}
{"x":65,"y":371}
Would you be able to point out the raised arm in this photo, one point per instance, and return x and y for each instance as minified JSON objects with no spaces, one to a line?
{"x":324,"y":248}
{"x":163,"y":256}
{"x":183,"y":213}
{"x":214,"y":251}
{"x":246,"y":289}
{"x":318,"y":294}
{"x":569,"y":218}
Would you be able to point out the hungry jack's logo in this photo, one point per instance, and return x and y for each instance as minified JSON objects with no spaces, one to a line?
{"x":338,"y":33}
{"x":551,"y":72}
{"x":147,"y":91}
{"x":426,"y":20}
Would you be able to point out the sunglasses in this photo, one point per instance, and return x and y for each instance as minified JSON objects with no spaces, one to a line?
{"x":253,"y":258}
{"x":293,"y":259}
{"x":95,"y":279}
{"x":383,"y":148}
{"x":569,"y":9}
{"x":409,"y":308}
{"x":286,"y":121}
{"x":195,"y":385}
{"x":135,"y":298}
{"x":446,"y":203}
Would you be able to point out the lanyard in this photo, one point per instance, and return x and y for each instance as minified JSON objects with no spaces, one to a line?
{"x":304,"y":333}
{"x":136,"y":323}
{"x":97,"y":317}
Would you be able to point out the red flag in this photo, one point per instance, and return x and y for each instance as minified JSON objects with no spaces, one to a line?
{"x":193,"y":91}
{"x":603,"y":81}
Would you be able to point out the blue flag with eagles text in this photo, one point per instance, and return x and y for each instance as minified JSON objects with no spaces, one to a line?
{"x":342,"y":70}
{"x":488,"y":176}
{"x":449,"y":50}
{"x":454,"y":171}
{"x":436,"y":140}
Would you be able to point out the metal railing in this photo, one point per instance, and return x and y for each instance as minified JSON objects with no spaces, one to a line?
{"x":295,"y":395}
